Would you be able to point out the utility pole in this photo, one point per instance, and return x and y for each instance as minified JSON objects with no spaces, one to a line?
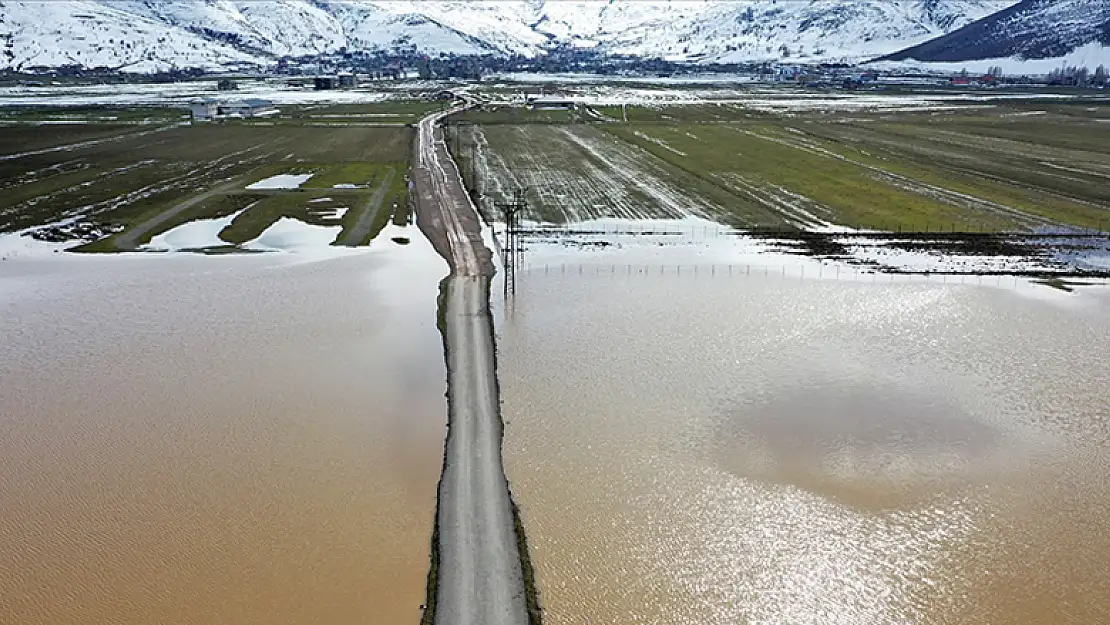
{"x":510,"y":212}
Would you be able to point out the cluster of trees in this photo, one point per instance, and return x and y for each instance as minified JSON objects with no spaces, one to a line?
{"x":102,"y":74}
{"x":1079,"y":77}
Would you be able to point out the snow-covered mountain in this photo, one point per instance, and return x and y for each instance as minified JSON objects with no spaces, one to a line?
{"x":1031,"y":29}
{"x":149,"y":35}
{"x":805,"y":31}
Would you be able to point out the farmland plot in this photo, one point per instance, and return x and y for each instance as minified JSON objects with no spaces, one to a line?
{"x":1050,"y":171}
{"x":115,"y":187}
{"x":575,"y":173}
{"x":817,"y":175}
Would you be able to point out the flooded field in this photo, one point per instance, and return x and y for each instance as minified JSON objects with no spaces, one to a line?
{"x":711,"y":449}
{"x":111,"y":179}
{"x":248,"y":439}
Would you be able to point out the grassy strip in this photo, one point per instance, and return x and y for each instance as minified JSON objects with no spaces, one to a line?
{"x":255,"y":220}
{"x":212,"y":208}
{"x":93,"y":114}
{"x":495,"y":115}
{"x":683,"y":113}
{"x":327,"y":175}
{"x":396,"y":194}
{"x":410,"y":109}
{"x":429,"y":615}
{"x":531,"y":592}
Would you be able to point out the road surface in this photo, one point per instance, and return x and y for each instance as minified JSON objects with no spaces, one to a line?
{"x":479,"y":576}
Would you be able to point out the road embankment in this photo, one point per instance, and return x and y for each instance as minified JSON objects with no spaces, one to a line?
{"x":478,"y":568}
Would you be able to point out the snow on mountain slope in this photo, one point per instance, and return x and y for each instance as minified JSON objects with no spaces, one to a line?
{"x":149,"y":34}
{"x":817,"y":30}
{"x":281,"y":27}
{"x":92,"y":34}
{"x":1032,"y":29}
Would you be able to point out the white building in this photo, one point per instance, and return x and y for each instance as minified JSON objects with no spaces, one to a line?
{"x":204,"y":110}
{"x":252,"y":107}
{"x":208,"y":109}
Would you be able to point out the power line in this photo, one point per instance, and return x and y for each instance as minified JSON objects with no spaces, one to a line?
{"x":510,"y":213}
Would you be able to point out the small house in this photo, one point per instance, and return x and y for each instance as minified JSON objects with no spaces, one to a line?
{"x":204,"y":110}
{"x":251,"y":107}
{"x":347,"y":81}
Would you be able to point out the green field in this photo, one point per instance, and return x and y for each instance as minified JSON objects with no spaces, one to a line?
{"x":115,"y":178}
{"x":491,"y":114}
{"x":965,"y":165}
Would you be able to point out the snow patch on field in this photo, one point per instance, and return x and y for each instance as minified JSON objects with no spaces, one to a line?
{"x":633,"y":167}
{"x":659,"y":142}
{"x":281,"y":181}
{"x":1090,"y":55}
{"x":292,"y":235}
{"x":15,"y":245}
{"x":580,"y":174}
{"x":194,"y":235}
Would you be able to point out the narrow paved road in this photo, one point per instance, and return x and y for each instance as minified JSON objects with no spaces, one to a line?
{"x":479,"y":576}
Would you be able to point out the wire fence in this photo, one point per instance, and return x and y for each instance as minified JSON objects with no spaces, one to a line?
{"x":928,"y":231}
{"x":1015,"y":276}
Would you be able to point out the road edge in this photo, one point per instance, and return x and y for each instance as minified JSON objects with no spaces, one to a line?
{"x":527,"y":571}
{"x":434,"y":230}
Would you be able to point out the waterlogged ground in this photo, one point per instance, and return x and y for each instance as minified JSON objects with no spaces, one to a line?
{"x":788,"y":443}
{"x":190,"y":439}
{"x":956,"y":162}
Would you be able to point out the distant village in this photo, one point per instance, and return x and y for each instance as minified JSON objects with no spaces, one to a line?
{"x":402,"y":61}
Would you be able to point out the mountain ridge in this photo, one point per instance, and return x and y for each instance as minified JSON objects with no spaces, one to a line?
{"x":154,"y":35}
{"x":1028,"y":30}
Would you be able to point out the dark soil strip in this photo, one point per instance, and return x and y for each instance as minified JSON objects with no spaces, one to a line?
{"x":364,"y":227}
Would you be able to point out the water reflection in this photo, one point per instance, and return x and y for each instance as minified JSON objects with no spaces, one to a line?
{"x":872,"y":445}
{"x":791,"y":451}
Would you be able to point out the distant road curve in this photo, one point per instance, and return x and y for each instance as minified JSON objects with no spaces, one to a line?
{"x":479,"y":579}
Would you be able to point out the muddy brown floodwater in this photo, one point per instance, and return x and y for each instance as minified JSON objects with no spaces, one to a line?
{"x":697,"y":450}
{"x":249,"y":440}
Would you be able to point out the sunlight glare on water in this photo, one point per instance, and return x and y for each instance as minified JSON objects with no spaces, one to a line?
{"x":731,"y":450}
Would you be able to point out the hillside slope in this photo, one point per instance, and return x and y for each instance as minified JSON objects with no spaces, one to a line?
{"x":147,"y":35}
{"x":1032,"y":29}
